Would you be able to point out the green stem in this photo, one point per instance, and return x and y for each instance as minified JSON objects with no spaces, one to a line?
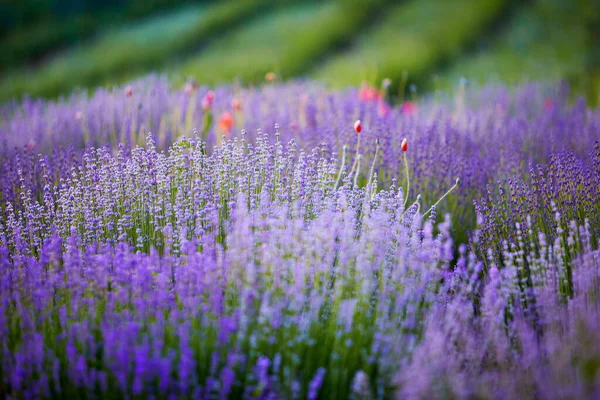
{"x":357,"y":169}
{"x":407,"y":179}
{"x":374,"y":160}
{"x":356,"y":156}
{"x":442,"y":198}
{"x":337,"y":181}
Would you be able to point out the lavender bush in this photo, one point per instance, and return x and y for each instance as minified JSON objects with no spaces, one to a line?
{"x":532,"y":343}
{"x":303,"y":259}
{"x":477,"y":136}
{"x":240,"y":273}
{"x":564,"y":191}
{"x":481,"y":135}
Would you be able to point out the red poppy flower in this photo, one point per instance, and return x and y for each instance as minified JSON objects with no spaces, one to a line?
{"x":226,"y":122}
{"x":409,"y":108}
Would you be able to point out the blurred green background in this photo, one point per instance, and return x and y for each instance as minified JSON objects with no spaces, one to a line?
{"x":50,"y":47}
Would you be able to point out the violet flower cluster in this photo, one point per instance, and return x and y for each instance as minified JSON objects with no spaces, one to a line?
{"x":501,"y":337}
{"x":551,"y":198}
{"x":301,"y":258}
{"x":243,"y":273}
{"x":481,"y":135}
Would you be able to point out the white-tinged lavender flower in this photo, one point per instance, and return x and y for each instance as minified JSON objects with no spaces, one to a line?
{"x":248,"y":268}
{"x":361,"y":388}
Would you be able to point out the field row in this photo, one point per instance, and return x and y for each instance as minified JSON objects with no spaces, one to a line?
{"x":338,"y":247}
{"x":339,"y":42}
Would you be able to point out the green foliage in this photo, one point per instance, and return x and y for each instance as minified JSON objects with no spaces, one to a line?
{"x":33,"y":28}
{"x":286,"y":41}
{"x":413,"y":37}
{"x":342,"y":42}
{"x":130,"y":51}
{"x":547,"y":40}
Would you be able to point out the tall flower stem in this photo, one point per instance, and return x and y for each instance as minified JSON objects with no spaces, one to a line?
{"x":356,"y":156}
{"x":359,"y":158}
{"x":442,"y":198}
{"x":374,"y":160}
{"x":407,"y":179}
{"x":337,"y":181}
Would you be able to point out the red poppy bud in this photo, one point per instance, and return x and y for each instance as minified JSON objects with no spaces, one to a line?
{"x":270,"y":76}
{"x":357,"y":126}
{"x":236,"y":104}
{"x":207,"y":100}
{"x":404,"y":145}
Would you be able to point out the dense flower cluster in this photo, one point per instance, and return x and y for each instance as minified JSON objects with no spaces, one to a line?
{"x":482,"y":135}
{"x":517,"y":340}
{"x":547,"y":200}
{"x":307,"y":258}
{"x":241,"y":272}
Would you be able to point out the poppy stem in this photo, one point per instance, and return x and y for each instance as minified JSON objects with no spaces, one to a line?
{"x":359,"y":158}
{"x":407,"y":179}
{"x":337,"y":181}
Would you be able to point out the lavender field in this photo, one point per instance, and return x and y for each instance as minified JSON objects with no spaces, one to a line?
{"x":290,"y":241}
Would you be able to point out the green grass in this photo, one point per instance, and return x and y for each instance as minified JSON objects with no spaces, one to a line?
{"x":25,"y":45}
{"x":342,"y":42}
{"x":130,"y":51}
{"x":414,"y":37}
{"x":35,"y":28}
{"x":547,"y":40}
{"x":286,"y":41}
